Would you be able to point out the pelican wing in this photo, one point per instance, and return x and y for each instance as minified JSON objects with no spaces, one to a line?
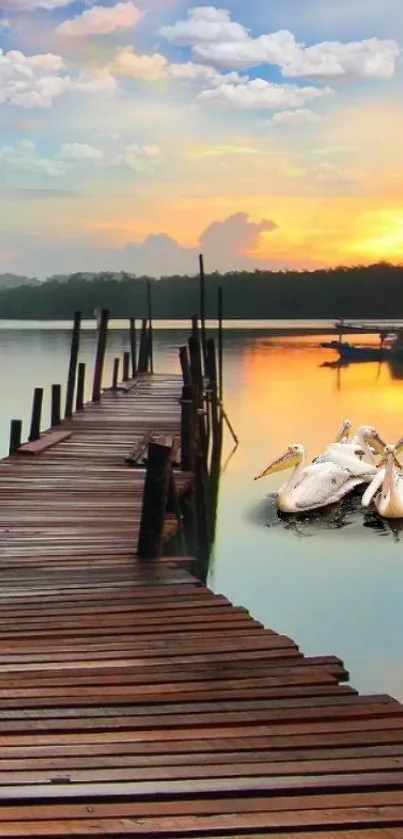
{"x":325,"y":486}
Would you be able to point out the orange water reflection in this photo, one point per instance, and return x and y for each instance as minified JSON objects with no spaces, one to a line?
{"x":286,"y":395}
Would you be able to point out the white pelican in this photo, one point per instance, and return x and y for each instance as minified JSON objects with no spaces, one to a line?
{"x":318,"y":484}
{"x":367,"y":439}
{"x":389,"y":480}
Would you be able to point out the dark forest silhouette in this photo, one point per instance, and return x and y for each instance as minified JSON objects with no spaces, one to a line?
{"x":360,"y":291}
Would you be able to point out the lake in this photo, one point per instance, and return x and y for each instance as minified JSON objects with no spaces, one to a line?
{"x":332,"y":580}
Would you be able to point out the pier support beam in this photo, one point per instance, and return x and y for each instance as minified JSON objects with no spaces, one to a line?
{"x":159,"y":465}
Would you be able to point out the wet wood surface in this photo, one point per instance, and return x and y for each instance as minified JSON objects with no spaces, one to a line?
{"x":133,"y":699}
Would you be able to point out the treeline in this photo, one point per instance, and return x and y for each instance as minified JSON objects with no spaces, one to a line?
{"x":374,"y":291}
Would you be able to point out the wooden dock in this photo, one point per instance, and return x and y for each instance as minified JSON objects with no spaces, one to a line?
{"x":136,"y":702}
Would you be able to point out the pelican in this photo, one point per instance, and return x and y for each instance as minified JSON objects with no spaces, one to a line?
{"x":318,"y":484}
{"x":367,"y":439}
{"x":389,"y":480}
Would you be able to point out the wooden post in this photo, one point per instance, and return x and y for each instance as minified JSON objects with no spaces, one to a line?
{"x":185,"y":365}
{"x":212,"y":374}
{"x":35,"y":430}
{"x":142,"y":367}
{"x":133,"y":348}
{"x":71,"y":378}
{"x":80,"y":387}
{"x":150,"y":543}
{"x":188,"y":429}
{"x":56,"y":396}
{"x":202,"y":306}
{"x":15,"y":435}
{"x":115,"y":375}
{"x":198,"y":388}
{"x":220,"y":345}
{"x":126,"y":367}
{"x":100,"y":356}
{"x":150,"y":359}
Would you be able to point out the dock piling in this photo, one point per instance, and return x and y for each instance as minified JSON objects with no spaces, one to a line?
{"x":71,"y":377}
{"x":133,"y":347}
{"x":115,"y":374}
{"x":220,"y":345}
{"x":143,"y":349}
{"x":126,"y":367}
{"x":100,"y":355}
{"x":188,"y":428}
{"x":150,"y":541}
{"x":35,"y":429}
{"x":15,"y":435}
{"x":56,"y":396}
{"x":150,"y":328}
{"x":80,"y":387}
{"x":202,"y":305}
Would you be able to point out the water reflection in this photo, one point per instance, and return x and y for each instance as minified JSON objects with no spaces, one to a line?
{"x":347,"y":513}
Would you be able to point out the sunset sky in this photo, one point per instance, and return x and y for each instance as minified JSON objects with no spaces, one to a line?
{"x":135,"y":134}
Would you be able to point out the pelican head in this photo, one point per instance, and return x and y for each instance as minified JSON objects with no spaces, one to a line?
{"x":389,"y":451}
{"x":344,"y":432}
{"x":372,"y":438}
{"x":294,"y":456}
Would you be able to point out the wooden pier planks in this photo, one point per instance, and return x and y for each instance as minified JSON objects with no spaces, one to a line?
{"x":134,"y":700}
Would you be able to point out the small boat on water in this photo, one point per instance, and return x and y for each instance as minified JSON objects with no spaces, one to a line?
{"x":356,"y":352}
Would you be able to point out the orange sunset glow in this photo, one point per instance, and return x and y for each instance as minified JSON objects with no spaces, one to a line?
{"x":270,"y":143}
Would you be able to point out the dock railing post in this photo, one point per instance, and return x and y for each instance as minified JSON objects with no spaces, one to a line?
{"x":71,"y":377}
{"x":143,"y":349}
{"x":220,"y":345}
{"x":80,"y":387}
{"x":188,"y":429}
{"x":56,"y":395}
{"x":133,"y":348}
{"x":150,"y":358}
{"x":126,"y":367}
{"x":212,"y":376}
{"x":202,"y":306}
{"x":115,"y":374}
{"x":35,"y":429}
{"x":151,"y":536}
{"x":100,"y":356}
{"x":15,"y":435}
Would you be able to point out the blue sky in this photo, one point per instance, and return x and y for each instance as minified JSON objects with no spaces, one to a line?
{"x":267,"y":132}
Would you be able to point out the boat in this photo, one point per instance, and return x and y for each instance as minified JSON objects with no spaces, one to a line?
{"x":356,"y":352}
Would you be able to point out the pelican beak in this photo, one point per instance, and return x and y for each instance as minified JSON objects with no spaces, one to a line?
{"x":376,"y":443}
{"x":344,"y":432}
{"x":290,"y":458}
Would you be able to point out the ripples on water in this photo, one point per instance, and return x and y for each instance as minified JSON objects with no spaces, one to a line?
{"x":347,"y":513}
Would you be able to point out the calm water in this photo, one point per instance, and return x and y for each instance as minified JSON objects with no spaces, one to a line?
{"x":332,"y":580}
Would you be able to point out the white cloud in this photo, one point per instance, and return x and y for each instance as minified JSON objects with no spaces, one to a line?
{"x":297,"y":117}
{"x":101,"y":20}
{"x":258,"y":93}
{"x":24,"y":158}
{"x":206,"y":31}
{"x":267,"y":49}
{"x":138,"y":158}
{"x":36,"y":81}
{"x":31,"y":81}
{"x":31,"y":5}
{"x":205,"y":24}
{"x":156,"y":66}
{"x":75,"y":152}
